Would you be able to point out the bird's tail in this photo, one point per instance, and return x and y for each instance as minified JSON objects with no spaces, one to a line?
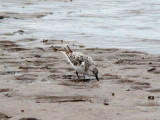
{"x":67,"y":50}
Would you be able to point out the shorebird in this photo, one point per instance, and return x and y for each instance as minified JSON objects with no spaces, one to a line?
{"x":81,"y":63}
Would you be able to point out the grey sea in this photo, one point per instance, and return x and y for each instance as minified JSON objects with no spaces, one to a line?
{"x":128,"y":24}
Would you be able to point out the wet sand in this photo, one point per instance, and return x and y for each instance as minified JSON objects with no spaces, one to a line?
{"x":39,"y":83}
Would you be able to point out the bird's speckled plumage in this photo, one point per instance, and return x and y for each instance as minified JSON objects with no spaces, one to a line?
{"x":80,"y":62}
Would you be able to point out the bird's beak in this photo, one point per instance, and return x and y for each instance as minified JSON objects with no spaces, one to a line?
{"x":97,"y":77}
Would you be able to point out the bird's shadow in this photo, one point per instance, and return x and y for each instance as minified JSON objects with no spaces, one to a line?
{"x":81,"y":80}
{"x":75,"y":79}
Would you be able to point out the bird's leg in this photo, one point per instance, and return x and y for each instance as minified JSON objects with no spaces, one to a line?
{"x":77,"y":75}
{"x":84,"y":76}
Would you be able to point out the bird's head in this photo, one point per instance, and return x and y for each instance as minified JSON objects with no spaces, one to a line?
{"x":94,"y":71}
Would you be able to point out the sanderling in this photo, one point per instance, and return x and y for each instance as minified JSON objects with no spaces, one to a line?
{"x":81,"y":63}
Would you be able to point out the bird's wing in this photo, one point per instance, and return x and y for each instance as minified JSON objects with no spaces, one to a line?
{"x":75,"y":58}
{"x":78,"y":59}
{"x":83,"y":60}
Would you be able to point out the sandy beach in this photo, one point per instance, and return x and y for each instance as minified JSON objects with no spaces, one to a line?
{"x":38,"y":83}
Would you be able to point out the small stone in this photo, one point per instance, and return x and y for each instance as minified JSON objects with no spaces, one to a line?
{"x":128,"y":90}
{"x":1,"y":17}
{"x":150,"y":97}
{"x":47,"y":67}
{"x":55,"y":49}
{"x":45,"y":41}
{"x":22,"y":110}
{"x":20,"y":31}
{"x":38,"y":56}
{"x":105,"y":102}
{"x":113,"y":94}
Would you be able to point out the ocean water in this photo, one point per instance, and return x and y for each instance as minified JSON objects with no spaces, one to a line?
{"x":129,"y":24}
